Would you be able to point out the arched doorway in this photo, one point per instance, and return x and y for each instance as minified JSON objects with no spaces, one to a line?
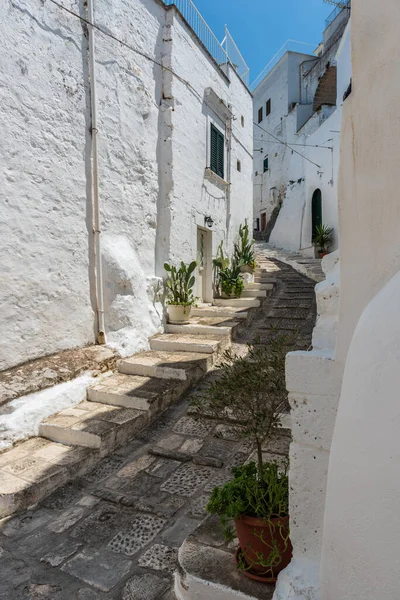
{"x":316,"y":211}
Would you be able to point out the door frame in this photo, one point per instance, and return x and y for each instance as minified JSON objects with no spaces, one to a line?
{"x":206,"y":294}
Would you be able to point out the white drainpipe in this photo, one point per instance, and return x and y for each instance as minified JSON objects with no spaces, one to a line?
{"x":101,"y":338}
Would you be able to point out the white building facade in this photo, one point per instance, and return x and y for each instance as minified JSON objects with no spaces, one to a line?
{"x":164,"y":194}
{"x":295,"y":186}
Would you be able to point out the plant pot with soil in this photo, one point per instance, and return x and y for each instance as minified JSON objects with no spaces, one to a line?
{"x":322,"y":239}
{"x":244,"y":251}
{"x":254,"y":506}
{"x":180,"y":299}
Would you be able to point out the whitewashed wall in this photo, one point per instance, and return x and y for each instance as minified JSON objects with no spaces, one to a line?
{"x":45,"y":283}
{"x":152,"y":156}
{"x":361,"y":525}
{"x":293,"y":229}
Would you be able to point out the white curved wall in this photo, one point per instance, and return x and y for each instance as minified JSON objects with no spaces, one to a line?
{"x":360,"y":558}
{"x":362,"y":524}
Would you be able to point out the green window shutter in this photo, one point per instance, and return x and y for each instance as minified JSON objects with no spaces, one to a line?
{"x":217,"y":151}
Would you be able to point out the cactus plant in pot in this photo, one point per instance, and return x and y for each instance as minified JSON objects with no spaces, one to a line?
{"x":251,"y":390}
{"x":180,"y":299}
{"x":244,"y":250}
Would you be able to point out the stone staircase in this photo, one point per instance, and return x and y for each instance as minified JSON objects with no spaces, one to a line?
{"x":121,"y":405}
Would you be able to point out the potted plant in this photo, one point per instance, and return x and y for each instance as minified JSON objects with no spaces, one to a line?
{"x":244,"y":252}
{"x":228,"y":281}
{"x":322,"y":239}
{"x":180,"y":299}
{"x":250,"y":391}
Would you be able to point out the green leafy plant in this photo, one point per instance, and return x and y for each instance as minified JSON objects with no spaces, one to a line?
{"x":227,"y":277}
{"x":249,"y":390}
{"x":180,"y":283}
{"x":323,"y":237}
{"x":265,"y":496}
{"x":230,"y":281}
{"x":244,"y":252}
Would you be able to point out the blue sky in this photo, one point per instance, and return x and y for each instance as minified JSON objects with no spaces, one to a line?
{"x":261,"y":27}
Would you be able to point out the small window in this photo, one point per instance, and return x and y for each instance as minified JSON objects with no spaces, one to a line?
{"x":239,"y":166}
{"x":217,"y":151}
{"x":256,"y":173}
{"x":242,"y":120}
{"x":260,"y":115}
{"x":268,"y":108}
{"x":265,"y":164}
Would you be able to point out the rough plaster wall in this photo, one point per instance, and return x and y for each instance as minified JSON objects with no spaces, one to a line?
{"x":368,"y":185}
{"x":194,"y":195}
{"x":360,"y":545}
{"x":44,"y":293}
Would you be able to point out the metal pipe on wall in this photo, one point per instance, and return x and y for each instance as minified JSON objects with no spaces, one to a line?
{"x":98,"y":275}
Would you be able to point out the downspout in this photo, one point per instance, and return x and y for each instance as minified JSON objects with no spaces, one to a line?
{"x":228,"y":172}
{"x":98,"y":275}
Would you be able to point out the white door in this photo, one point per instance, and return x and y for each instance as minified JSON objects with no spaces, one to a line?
{"x":204,"y":265}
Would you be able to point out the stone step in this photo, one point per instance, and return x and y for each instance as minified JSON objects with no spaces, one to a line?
{"x":237,"y":302}
{"x":150,"y":394}
{"x":205,"y":326}
{"x":254,"y":294}
{"x":220,"y":311}
{"x":259,"y":286}
{"x":184,"y":366}
{"x":37,"y":467}
{"x":94,"y":425}
{"x":177,"y":342}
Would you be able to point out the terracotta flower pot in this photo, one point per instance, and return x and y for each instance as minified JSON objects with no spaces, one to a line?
{"x":257,"y":540}
{"x":322,"y":254}
{"x":178,"y":314}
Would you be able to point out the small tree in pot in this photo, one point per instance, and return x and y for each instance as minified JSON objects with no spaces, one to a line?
{"x":180,"y":299}
{"x":250,"y":391}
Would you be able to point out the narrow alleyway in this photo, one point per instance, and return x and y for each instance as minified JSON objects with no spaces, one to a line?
{"x":115,"y":533}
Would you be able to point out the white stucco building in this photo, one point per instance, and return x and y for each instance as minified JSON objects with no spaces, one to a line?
{"x":297,"y":112}
{"x":173,"y":124}
{"x":345,"y":455}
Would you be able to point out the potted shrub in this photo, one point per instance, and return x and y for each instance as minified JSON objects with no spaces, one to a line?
{"x":250,"y":391}
{"x":322,"y":239}
{"x":244,"y":252}
{"x":228,"y":282}
{"x":180,"y":299}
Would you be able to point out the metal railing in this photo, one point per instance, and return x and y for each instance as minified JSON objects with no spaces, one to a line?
{"x":289,"y":46}
{"x":222,"y":55}
{"x":235,"y":57}
{"x":345,"y":4}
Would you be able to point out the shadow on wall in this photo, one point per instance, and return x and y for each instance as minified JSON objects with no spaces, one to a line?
{"x":133,"y":311}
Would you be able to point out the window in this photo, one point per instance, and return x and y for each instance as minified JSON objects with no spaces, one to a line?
{"x":268,"y":108}
{"x":266,"y":164}
{"x":256,"y":173}
{"x":217,"y":151}
{"x":239,"y":166}
{"x":260,"y":115}
{"x":242,"y":120}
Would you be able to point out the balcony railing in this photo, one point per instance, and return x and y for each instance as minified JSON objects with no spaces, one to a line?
{"x":345,"y":4}
{"x":224,"y":53}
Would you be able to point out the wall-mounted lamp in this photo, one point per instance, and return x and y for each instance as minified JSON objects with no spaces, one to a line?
{"x":209,"y":222}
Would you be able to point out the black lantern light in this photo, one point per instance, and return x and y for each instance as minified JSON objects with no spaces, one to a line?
{"x":208,"y":221}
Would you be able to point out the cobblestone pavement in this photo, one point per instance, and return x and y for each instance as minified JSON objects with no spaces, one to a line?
{"x":115,"y":533}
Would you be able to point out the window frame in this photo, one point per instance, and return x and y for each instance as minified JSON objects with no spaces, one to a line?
{"x":268,"y":107}
{"x":265,"y":162}
{"x":217,"y":163}
{"x":260,"y":114}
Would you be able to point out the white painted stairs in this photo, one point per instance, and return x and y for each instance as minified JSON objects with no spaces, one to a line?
{"x":121,"y":405}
